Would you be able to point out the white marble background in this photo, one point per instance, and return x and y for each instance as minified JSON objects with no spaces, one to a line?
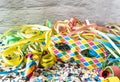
{"x":17,"y":12}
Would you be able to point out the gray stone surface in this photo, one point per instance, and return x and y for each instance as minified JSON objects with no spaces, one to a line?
{"x":17,"y":12}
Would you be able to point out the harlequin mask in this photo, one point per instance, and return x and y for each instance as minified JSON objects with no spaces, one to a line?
{"x":66,"y":47}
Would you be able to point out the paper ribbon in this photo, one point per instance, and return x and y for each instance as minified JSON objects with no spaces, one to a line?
{"x":11,"y":71}
{"x":109,"y":40}
{"x":48,"y":23}
{"x":111,"y":79}
{"x":47,"y":58}
{"x":12,"y":56}
{"x":11,"y":38}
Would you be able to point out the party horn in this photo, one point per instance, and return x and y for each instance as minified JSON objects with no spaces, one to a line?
{"x":30,"y":66}
{"x":111,"y":71}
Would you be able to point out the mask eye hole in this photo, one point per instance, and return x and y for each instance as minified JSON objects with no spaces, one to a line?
{"x":62,"y":46}
{"x":87,"y":53}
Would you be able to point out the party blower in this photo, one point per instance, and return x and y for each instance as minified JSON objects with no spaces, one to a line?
{"x":111,"y":71}
{"x":30,"y":66}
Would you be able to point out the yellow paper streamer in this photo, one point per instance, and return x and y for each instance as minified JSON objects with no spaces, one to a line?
{"x":47,"y":58}
{"x":12,"y":56}
{"x":111,"y":79}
